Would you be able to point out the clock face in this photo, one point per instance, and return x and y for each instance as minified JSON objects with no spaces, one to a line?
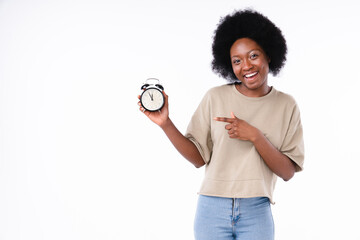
{"x":152,"y":99}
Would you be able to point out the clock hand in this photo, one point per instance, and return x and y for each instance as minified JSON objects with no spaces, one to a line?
{"x":151,"y":96}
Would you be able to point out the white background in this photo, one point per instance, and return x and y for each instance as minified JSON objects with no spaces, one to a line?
{"x":78,"y":160}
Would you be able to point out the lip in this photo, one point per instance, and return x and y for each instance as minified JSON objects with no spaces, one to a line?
{"x":251,"y":75}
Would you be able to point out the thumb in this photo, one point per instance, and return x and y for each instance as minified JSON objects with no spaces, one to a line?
{"x":233,"y":115}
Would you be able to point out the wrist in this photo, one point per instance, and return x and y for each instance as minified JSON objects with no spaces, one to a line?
{"x":164,"y":125}
{"x":257,"y":135}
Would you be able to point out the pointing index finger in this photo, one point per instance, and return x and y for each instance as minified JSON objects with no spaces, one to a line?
{"x":224,"y":119}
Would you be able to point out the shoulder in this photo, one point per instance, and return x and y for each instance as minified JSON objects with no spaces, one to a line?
{"x":215,"y":94}
{"x":287,"y":102}
{"x":219,"y":90}
{"x":286,"y":98}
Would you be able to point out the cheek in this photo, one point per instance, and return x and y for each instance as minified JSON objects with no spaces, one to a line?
{"x":265,"y":68}
{"x":236,"y":70}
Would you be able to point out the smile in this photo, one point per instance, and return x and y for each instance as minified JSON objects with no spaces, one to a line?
{"x":251,"y":75}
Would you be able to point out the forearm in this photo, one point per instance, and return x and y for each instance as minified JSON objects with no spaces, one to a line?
{"x":279,"y":163}
{"x":182,"y":144}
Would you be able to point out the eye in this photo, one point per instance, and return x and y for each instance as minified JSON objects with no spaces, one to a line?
{"x":236,"y":61}
{"x":254,"y":56}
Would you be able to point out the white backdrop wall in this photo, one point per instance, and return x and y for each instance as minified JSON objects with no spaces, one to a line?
{"x":78,"y":160}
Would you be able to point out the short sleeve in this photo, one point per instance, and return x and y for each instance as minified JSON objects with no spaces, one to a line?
{"x":293,"y":145}
{"x":199,"y":129}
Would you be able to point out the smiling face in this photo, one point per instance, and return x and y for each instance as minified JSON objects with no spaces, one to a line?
{"x":251,"y":66}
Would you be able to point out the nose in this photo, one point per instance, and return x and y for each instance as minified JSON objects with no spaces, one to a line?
{"x":247,"y":65}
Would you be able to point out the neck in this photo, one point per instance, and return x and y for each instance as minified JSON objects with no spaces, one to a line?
{"x":259,"y":92}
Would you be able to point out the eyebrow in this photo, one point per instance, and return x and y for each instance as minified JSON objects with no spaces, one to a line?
{"x":255,"y":49}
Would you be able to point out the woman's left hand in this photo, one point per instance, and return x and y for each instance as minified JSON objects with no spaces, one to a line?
{"x":238,"y":128}
{"x":279,"y":163}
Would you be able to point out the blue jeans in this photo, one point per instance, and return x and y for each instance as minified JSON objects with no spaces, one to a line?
{"x":219,"y":218}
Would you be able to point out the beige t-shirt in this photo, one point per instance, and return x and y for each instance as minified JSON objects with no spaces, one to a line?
{"x":234,"y":168}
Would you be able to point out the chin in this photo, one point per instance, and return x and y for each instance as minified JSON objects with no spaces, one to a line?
{"x":252,"y":85}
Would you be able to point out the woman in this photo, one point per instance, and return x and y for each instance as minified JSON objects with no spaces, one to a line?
{"x":246,"y":133}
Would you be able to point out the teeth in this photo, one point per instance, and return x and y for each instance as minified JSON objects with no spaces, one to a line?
{"x":251,"y":74}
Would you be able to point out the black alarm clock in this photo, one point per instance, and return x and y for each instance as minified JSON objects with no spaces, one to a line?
{"x":152,"y":98}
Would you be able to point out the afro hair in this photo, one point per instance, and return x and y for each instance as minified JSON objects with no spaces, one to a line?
{"x":247,"y":24}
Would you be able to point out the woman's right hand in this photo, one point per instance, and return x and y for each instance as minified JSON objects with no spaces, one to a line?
{"x":160,"y":117}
